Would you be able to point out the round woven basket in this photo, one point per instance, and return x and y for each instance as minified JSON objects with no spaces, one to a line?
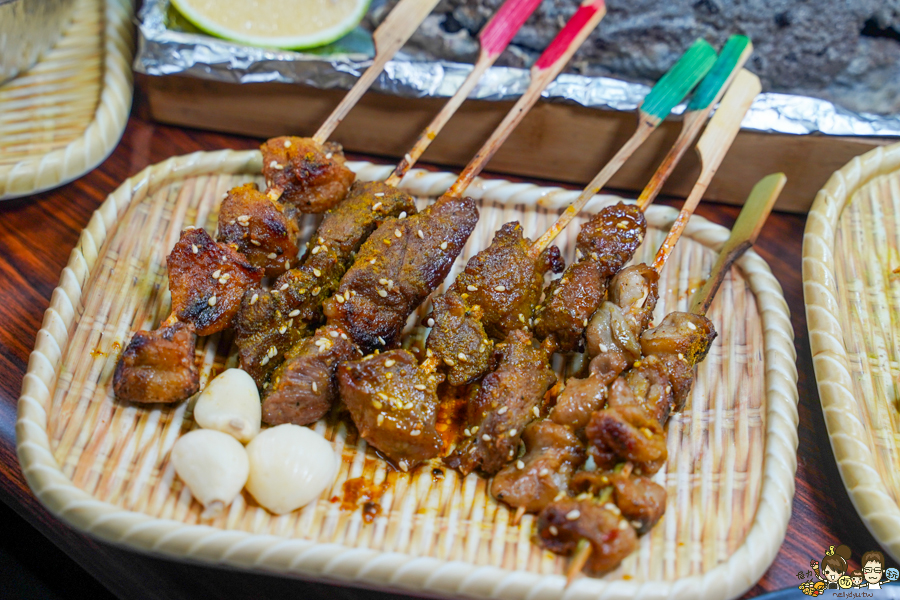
{"x":851,"y":278}
{"x":103,"y":466}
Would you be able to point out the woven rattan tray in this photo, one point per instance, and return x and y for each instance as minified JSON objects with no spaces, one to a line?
{"x":851,"y":280}
{"x":62,"y":117}
{"x":104,"y":467}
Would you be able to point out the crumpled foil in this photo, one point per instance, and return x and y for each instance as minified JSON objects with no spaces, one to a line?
{"x":168,"y":45}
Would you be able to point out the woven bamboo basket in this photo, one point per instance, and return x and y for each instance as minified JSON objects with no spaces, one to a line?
{"x":103,"y":466}
{"x":851,"y":279}
{"x":63,"y":117}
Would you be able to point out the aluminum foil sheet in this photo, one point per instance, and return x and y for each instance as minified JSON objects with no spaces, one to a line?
{"x":168,"y":45}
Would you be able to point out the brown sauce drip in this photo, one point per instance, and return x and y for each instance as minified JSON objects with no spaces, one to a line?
{"x":451,"y":416}
{"x":359,"y":491}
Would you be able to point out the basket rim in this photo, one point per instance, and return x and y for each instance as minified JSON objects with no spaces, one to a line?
{"x":370,"y":568}
{"x":42,"y":172}
{"x":869,"y":493}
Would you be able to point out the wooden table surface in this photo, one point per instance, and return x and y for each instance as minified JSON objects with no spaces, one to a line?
{"x":36,"y":237}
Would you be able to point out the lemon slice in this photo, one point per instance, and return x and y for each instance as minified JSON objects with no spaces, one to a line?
{"x":291,"y":24}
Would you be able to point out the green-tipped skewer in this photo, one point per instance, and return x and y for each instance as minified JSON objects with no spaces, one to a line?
{"x":733,"y":56}
{"x":665,"y":95}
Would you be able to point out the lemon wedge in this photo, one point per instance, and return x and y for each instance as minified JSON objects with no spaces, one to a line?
{"x":289,"y":24}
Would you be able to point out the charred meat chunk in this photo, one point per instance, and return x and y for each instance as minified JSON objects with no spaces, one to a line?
{"x":394,"y":404}
{"x":627,"y":433}
{"x":533,"y":481}
{"x":611,"y":237}
{"x":569,"y":304}
{"x":400,"y":264}
{"x":311,"y":177}
{"x":640,"y":499}
{"x":508,"y":400}
{"x":578,"y":401}
{"x":304,"y":388}
{"x":680,"y":333}
{"x":646,"y":385}
{"x":259,"y":228}
{"x":458,"y":340}
{"x":158,"y":366}
{"x":563,"y":524}
{"x":207,"y":281}
{"x":505,"y":282}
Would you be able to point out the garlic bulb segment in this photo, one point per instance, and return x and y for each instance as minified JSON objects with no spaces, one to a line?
{"x":230,"y":404}
{"x":290,"y":466}
{"x":213,"y":465}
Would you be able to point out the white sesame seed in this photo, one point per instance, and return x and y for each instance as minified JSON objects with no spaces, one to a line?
{"x":194,"y":248}
{"x":476,"y":428}
{"x":415,"y":432}
{"x":390,"y":284}
{"x":573,"y":514}
{"x":380,"y":419}
{"x":503,"y":410}
{"x":536,"y":411}
{"x":377,"y":205}
{"x":283,"y":287}
{"x":623,"y":525}
{"x":294,"y":312}
{"x":486,"y":437}
{"x":584,"y":323}
{"x":378,"y":194}
{"x":378,"y":405}
{"x":254,"y":298}
{"x":212,"y":300}
{"x":382,"y":281}
{"x":403,"y":466}
{"x":316,"y":250}
{"x":328,"y":156}
{"x":543,"y":472}
{"x":444,"y":246}
{"x":512,"y":433}
{"x":273,"y":352}
{"x":420,"y":234}
{"x":315,"y":387}
{"x":462,"y":357}
{"x":264,"y":361}
{"x":276,"y":166}
{"x":521,"y":318}
{"x":316,"y":291}
{"x":420,"y":386}
{"x":397,"y":233}
{"x":339,"y":298}
{"x":520,"y":465}
{"x":691,"y":326}
{"x":344,"y":336}
{"x":402,"y":215}
{"x":271,"y":256}
{"x":430,"y":322}
{"x":255,"y":243}
{"x":217,"y":273}
{"x":287,"y":264}
{"x":381,"y":293}
{"x":282,"y":329}
{"x":317,"y":272}
{"x":553,"y":530}
{"x":472,"y":288}
{"x":287,"y":143}
{"x":390,"y":362}
{"x":603,"y":348}
{"x":681,"y":356}
{"x":559,"y":496}
{"x":381,"y":340}
{"x":333,"y":334}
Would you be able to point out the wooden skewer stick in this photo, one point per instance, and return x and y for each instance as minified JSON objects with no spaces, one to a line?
{"x":579,"y":559}
{"x":744,"y":233}
{"x":520,"y":512}
{"x":495,"y":37}
{"x":389,"y":37}
{"x":545,"y":70}
{"x":733,"y":56}
{"x":665,"y":95}
{"x":712,"y":147}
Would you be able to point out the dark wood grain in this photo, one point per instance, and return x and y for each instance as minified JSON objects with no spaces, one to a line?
{"x":36,"y":236}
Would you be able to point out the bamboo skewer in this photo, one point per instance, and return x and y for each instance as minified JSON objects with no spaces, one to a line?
{"x":389,"y":37}
{"x":733,"y":56}
{"x":744,"y":233}
{"x":712,"y":147}
{"x":671,"y":89}
{"x":495,"y":37}
{"x":545,"y":70}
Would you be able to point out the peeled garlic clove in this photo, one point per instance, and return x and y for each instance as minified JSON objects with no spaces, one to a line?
{"x":230,"y":403}
{"x":213,"y":465}
{"x":290,"y":466}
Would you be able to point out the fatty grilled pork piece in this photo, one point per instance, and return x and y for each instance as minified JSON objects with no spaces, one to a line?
{"x":311,"y":176}
{"x":680,"y":333}
{"x":458,"y":340}
{"x":508,"y":400}
{"x":605,"y":244}
{"x":158,"y":366}
{"x":552,"y":454}
{"x":635,"y":290}
{"x":259,"y":228}
{"x":646,"y":385}
{"x":639,"y":498}
{"x":304,"y":388}
{"x":563,"y":524}
{"x":394,"y":404}
{"x":578,"y":401}
{"x":627,"y":433}
{"x":400,"y":264}
{"x":611,"y":343}
{"x":207,"y":281}
{"x":505,"y":282}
